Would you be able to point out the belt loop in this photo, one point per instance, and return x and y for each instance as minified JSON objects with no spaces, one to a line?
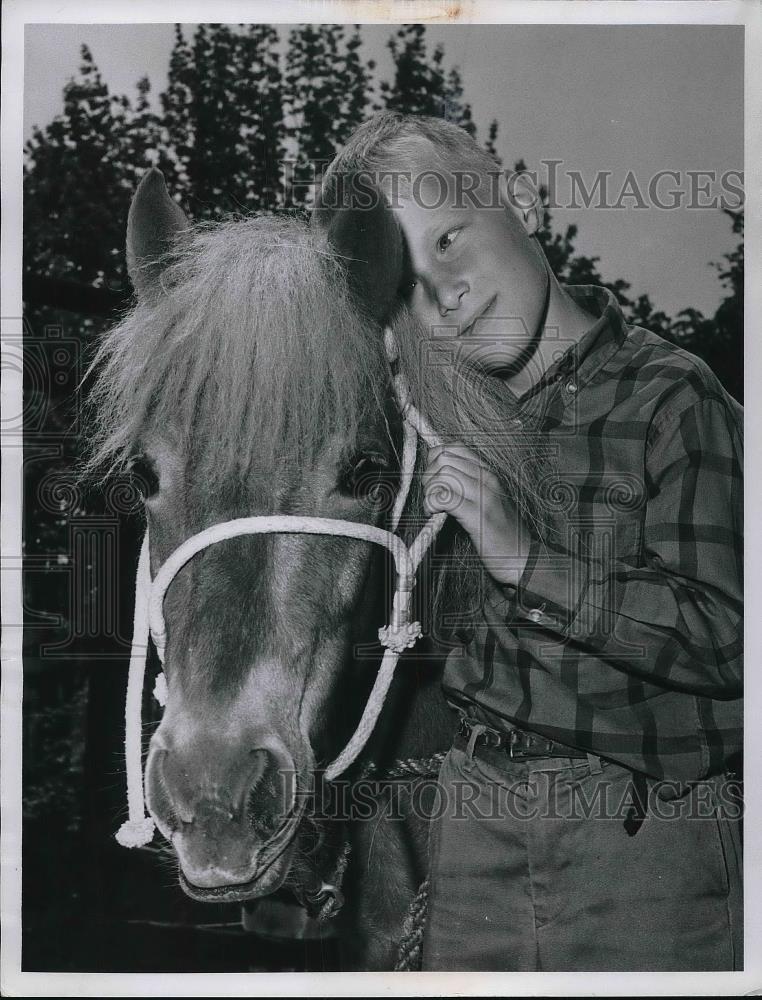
{"x":595,"y":764}
{"x":476,"y":731}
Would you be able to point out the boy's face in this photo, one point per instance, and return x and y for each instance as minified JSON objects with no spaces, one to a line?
{"x":477,"y":275}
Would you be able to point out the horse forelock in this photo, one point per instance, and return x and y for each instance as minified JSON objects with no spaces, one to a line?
{"x":254,"y":352}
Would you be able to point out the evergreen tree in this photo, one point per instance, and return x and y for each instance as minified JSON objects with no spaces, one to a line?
{"x":224,"y":119}
{"x":419,"y":86}
{"x":719,"y":340}
{"x":141,"y":137}
{"x":358,"y":89}
{"x":327,"y":88}
{"x":258,"y":93}
{"x":215,"y":163}
{"x":177,"y":102}
{"x":313,"y":103}
{"x":455,"y":109}
{"x":491,"y":144}
{"x":75,"y":191}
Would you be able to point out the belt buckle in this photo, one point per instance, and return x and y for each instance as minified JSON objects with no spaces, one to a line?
{"x":487,"y":737}
{"x":492,"y":738}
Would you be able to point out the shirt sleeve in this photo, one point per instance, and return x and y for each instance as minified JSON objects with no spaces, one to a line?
{"x":677,"y":615}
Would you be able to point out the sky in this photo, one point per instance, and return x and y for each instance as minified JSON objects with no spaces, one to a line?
{"x":630,"y":100}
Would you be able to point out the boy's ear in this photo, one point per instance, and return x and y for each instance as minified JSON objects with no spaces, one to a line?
{"x":364,"y":231}
{"x":519,"y":194}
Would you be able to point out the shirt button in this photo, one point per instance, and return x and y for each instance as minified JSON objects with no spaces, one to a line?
{"x":571,"y":386}
{"x":535,"y":615}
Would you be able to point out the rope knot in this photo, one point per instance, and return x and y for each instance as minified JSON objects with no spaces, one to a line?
{"x":159,"y":637}
{"x":136,"y":832}
{"x":160,"y":691}
{"x":400,"y":637}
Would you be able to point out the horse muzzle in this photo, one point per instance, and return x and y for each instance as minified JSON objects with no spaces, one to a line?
{"x":231,"y":816}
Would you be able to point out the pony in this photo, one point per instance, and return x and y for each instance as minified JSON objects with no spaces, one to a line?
{"x":250,"y":378}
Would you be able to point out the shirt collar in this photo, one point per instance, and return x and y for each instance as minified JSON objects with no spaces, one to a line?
{"x":580,"y":362}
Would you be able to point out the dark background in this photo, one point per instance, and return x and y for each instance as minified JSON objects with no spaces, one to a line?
{"x":237,"y":105}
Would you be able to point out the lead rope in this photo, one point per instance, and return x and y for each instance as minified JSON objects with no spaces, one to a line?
{"x":400,"y":634}
{"x":410,"y":946}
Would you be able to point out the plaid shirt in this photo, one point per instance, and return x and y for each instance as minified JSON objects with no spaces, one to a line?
{"x":625,"y":634}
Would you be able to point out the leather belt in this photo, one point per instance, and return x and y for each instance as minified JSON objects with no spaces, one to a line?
{"x":517,"y":744}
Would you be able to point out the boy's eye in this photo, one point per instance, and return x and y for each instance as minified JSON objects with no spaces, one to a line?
{"x":447,"y":239}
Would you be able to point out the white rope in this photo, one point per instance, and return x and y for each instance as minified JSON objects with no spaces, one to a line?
{"x":398,"y":635}
{"x":369,"y":718}
{"x":139,"y":828}
{"x":269,"y":524}
{"x":407,"y":469}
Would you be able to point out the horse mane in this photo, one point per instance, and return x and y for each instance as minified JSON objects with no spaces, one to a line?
{"x":253,"y":348}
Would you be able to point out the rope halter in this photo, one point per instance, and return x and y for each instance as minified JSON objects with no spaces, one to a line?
{"x":398,"y":635}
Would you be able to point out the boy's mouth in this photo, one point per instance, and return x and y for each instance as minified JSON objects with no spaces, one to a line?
{"x":481,"y":314}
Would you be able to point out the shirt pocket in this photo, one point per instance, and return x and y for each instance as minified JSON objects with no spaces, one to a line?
{"x":602,"y":514}
{"x":617,"y":511}
{"x":604,"y":540}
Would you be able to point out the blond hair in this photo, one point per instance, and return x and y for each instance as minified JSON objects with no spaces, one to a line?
{"x":391,"y":141}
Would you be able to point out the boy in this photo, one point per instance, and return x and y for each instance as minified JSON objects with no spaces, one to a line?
{"x":590,"y":819}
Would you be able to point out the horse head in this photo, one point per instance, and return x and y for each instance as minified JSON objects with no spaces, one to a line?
{"x":250,"y":379}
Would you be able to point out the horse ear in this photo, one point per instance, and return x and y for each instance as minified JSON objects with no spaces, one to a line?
{"x":152,"y":224}
{"x":365,"y":232}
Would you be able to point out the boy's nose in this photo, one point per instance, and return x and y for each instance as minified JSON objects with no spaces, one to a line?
{"x":449,"y":297}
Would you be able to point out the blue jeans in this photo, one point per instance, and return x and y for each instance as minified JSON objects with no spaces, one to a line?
{"x":539,"y":865}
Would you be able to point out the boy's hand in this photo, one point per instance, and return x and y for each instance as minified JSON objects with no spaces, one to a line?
{"x":455,"y":481}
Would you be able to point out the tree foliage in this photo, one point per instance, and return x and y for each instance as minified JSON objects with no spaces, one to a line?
{"x":421,"y":84}
{"x":78,"y":184}
{"x":327,"y":91}
{"x":222,"y":113}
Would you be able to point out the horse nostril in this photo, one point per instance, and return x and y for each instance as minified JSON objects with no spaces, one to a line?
{"x":208,"y":795}
{"x":265,"y":805}
{"x":166,"y":806}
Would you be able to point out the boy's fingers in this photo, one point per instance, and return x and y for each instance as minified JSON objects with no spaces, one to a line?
{"x":455,"y":451}
{"x":457,"y":465}
{"x":443,"y":496}
{"x":450,"y":488}
{"x":450,"y":460}
{"x":454,"y":491}
{"x":447,"y":467}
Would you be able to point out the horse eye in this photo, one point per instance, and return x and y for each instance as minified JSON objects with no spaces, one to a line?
{"x":144,"y":471}
{"x":370,"y":478}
